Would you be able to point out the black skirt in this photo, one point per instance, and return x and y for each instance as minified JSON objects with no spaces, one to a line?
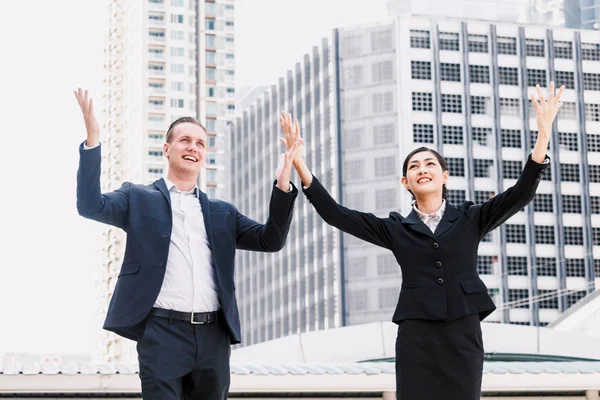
{"x":439,"y":360}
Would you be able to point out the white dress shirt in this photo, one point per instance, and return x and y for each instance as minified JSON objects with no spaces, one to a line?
{"x":431,"y":220}
{"x":189,"y":283}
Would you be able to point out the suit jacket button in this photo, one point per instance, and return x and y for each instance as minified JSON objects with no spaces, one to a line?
{"x":440,"y":281}
{"x":438,"y":264}
{"x":166,"y":235}
{"x":161,"y":264}
{"x":435,"y":245}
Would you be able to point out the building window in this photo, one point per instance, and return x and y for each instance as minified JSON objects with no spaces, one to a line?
{"x":177,"y":51}
{"x":591,"y":81}
{"x":355,"y":200}
{"x":507,"y":45}
{"x":573,"y":298}
{"x":419,"y":39}
{"x":482,"y":196}
{"x":358,"y":300}
{"x":511,"y":169}
{"x":352,"y":45}
{"x":510,"y":107}
{"x":452,"y":134}
{"x":480,"y":105}
{"x":354,"y":170}
{"x":385,"y":166}
{"x":177,"y":34}
{"x":593,"y":142}
{"x":155,"y":170}
{"x":383,"y":102}
{"x":597,"y":267}
{"x":450,"y":72}
{"x":420,"y":70}
{"x":511,"y":138}
{"x":536,"y":77}
{"x":542,"y":202}
{"x":388,"y":297}
{"x":456,"y":196}
{"x":212,"y":159}
{"x":422,"y":101}
{"x":478,"y":43}
{"x":385,"y":199}
{"x":212,"y":141}
{"x":482,"y":136}
{"x":357,"y":267}
{"x":479,"y":73}
{"x":595,"y":206}
{"x":590,"y":51}
{"x":383,"y":134}
{"x":546,"y":266}
{"x":515,"y":233}
{"x":353,"y":138}
{"x":382,"y":71}
{"x":422,"y":133}
{"x":456,"y":166}
{"x":449,"y":41}
{"x":573,"y":235}
{"x":592,"y":112}
{"x":563,"y":50}
{"x":485,"y":264}
{"x":155,"y":153}
{"x":548,"y":299}
{"x":544,"y":234}
{"x":569,"y":172}
{"x":516,"y":266}
{"x":568,"y":141}
{"x":535,"y":48}
{"x":451,"y":103}
{"x":178,"y":19}
{"x":381,"y":40}
{"x":353,"y":76}
{"x":566,"y":78}
{"x":387,"y":265}
{"x":575,"y":267}
{"x":596,"y":238}
{"x":508,"y":76}
{"x":571,"y":203}
{"x":177,"y":103}
{"x":176,"y":3}
{"x":594,"y":173}
{"x":483,"y":168}
{"x":520,"y":296}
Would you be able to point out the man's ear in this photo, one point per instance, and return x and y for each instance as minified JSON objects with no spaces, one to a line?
{"x":166,"y":150}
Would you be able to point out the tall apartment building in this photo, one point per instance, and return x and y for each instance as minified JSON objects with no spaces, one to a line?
{"x":461,"y":87}
{"x":164,"y":59}
{"x":577,"y":14}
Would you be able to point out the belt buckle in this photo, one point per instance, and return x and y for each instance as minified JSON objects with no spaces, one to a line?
{"x":194,"y":322}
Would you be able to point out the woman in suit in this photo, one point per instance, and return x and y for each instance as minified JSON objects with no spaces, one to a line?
{"x":439,"y":348}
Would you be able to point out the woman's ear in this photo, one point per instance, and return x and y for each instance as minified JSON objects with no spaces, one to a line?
{"x":404,"y":182}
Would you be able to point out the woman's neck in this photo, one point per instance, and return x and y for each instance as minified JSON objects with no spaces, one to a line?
{"x":429,"y":204}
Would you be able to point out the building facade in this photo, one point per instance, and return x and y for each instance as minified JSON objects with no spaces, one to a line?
{"x":461,"y":87}
{"x":164,"y":59}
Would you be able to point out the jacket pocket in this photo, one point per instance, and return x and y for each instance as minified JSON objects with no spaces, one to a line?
{"x":473,"y":285}
{"x":130,"y":268}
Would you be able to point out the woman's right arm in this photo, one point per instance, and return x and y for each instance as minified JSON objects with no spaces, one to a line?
{"x":364,"y":226}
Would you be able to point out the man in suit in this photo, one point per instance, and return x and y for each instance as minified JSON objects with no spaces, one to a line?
{"x":175,"y":294}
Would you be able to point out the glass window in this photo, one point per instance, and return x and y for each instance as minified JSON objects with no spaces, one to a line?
{"x":420,"y":70}
{"x":507,"y":45}
{"x":422,"y":101}
{"x":451,"y":103}
{"x":478,"y":43}
{"x":449,"y":41}
{"x":452,"y":134}
{"x":422,"y":133}
{"x":479,"y":73}
{"x":450,"y":72}
{"x":419,"y":39}
{"x":535,"y":48}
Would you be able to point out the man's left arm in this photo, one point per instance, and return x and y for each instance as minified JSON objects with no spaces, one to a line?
{"x":270,"y":236}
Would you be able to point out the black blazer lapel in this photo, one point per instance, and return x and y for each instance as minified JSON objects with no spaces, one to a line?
{"x":451,"y":213}
{"x":162,"y":187}
{"x":417,"y":225}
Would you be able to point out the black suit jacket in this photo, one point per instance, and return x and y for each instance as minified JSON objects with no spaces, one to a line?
{"x":439,"y":270}
{"x":144,"y":212}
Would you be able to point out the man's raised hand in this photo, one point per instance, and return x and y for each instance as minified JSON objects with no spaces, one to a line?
{"x":91,"y":124}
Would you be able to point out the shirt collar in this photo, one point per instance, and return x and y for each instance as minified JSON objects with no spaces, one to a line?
{"x":171,"y":186}
{"x":436,"y":215}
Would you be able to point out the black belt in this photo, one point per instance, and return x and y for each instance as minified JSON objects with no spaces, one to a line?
{"x":193,"y":317}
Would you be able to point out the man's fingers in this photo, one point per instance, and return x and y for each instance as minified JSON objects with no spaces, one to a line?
{"x":536,"y":105}
{"x":551,"y":92}
{"x":91,"y":107}
{"x":540,"y":94}
{"x":284,"y":142}
{"x":559,"y":95}
{"x":297,"y":127}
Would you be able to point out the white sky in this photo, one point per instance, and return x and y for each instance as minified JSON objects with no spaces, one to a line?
{"x":47,"y":296}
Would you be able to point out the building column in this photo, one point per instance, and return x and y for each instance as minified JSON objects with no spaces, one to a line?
{"x":589,"y":395}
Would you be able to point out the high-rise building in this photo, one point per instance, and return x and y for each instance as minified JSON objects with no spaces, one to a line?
{"x":164,"y":59}
{"x":369,"y":95}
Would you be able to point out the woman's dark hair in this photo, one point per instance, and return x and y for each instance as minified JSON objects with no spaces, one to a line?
{"x":437,"y":155}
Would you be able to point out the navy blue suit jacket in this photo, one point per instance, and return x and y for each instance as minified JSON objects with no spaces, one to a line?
{"x":144,"y":212}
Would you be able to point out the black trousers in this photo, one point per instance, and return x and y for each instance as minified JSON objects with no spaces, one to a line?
{"x":439,"y":360}
{"x":179,"y":360}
